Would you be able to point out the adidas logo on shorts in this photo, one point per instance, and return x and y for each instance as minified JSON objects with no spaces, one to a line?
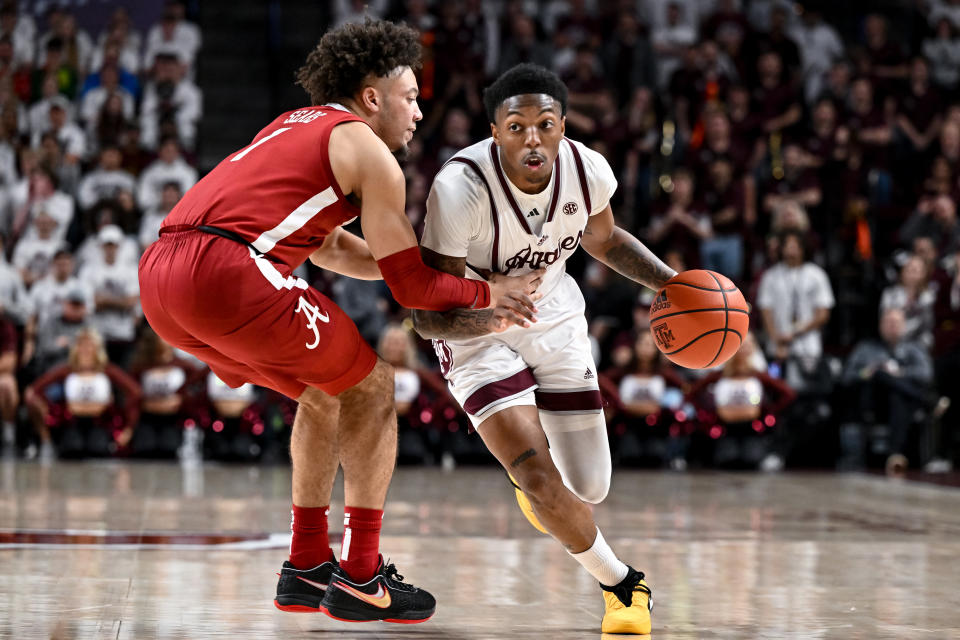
{"x":588,"y":375}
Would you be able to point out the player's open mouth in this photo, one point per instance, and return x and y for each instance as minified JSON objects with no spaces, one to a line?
{"x":533,"y":162}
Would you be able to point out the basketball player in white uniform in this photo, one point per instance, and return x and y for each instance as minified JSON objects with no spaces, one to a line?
{"x":517,"y":202}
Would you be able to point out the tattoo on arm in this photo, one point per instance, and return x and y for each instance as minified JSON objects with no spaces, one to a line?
{"x":628,"y":256}
{"x":456,"y":324}
{"x":526,"y":455}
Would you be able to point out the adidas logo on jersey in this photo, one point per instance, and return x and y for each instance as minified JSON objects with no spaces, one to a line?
{"x":533,"y":213}
{"x":588,"y":375}
{"x":660,"y":302}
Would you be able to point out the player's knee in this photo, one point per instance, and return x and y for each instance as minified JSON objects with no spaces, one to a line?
{"x":592,"y":487}
{"x":539,"y":482}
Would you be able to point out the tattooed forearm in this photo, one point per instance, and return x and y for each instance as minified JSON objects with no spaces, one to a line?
{"x":526,"y":455}
{"x":456,"y":324}
{"x":628,"y":256}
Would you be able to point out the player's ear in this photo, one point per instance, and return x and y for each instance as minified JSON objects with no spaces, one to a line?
{"x":370,"y":99}
{"x":563,"y":125}
{"x":495,"y":133}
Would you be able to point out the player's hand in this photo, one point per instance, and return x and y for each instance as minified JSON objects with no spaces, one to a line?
{"x":512,"y":298}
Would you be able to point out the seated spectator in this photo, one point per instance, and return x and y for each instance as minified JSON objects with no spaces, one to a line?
{"x":38,"y":116}
{"x":153,"y":217}
{"x":77,"y":45}
{"x":69,"y":136}
{"x":74,"y":405}
{"x":891,"y":379}
{"x":934,"y":218}
{"x":106,"y":180}
{"x":776,"y":97}
{"x":648,"y":393}
{"x":33,"y":254}
{"x":111,"y":59}
{"x":943,"y":52}
{"x":164,"y":407}
{"x":120,"y":34}
{"x":56,"y":66}
{"x":21,"y":31}
{"x":731,"y":215}
{"x":173,"y":32}
{"x":108,"y":213}
{"x":746,"y":402}
{"x":171,"y":103}
{"x":918,"y":111}
{"x":168,"y":167}
{"x":682,"y":223}
{"x":36,"y":192}
{"x":822,"y":142}
{"x":116,"y":295}
{"x":51,"y":313}
{"x":798,"y":184}
{"x":111,"y":128}
{"x":914,"y":295}
{"x":9,"y":392}
{"x":795,"y":299}
{"x":96,"y":97}
{"x":234,"y":422}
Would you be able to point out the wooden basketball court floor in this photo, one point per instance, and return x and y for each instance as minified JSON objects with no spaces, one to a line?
{"x":126,"y":550}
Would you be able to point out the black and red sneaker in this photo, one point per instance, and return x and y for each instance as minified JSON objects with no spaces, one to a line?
{"x":301,"y":590}
{"x":384,"y":597}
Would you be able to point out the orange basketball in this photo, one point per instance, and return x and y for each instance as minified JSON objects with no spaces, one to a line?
{"x":699,"y":319}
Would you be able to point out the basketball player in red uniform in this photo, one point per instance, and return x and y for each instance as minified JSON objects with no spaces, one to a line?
{"x":219,"y":284}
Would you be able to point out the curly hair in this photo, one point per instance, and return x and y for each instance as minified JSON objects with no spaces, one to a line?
{"x":345,"y":56}
{"x":522,"y":79}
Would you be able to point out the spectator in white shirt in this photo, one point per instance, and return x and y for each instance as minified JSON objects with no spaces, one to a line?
{"x":171,"y":103}
{"x":795,"y":299}
{"x":127,"y":39}
{"x":173,"y":32}
{"x":106,"y":180}
{"x":116,"y":292}
{"x":38,"y":117}
{"x":32,"y":255}
{"x":107,"y":213}
{"x":168,"y":167}
{"x":94,"y":99}
{"x":820,"y":46}
{"x":13,"y":294}
{"x":77,"y":43}
{"x":152,"y":218}
{"x":21,"y":31}
{"x":38,"y":192}
{"x":71,"y":138}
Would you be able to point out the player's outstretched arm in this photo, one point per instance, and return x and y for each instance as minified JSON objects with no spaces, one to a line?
{"x":345,"y":253}
{"x":459,"y":324}
{"x":622,"y":252}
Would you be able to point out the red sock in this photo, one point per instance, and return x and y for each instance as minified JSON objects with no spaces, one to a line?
{"x":360,"y":553}
{"x":309,"y":546}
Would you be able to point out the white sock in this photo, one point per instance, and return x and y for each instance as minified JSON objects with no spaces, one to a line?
{"x":602,"y":563}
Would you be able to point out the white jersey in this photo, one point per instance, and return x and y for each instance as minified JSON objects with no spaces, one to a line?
{"x":474,"y":211}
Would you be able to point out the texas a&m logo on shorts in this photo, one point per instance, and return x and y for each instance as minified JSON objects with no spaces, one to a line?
{"x":663,"y":335}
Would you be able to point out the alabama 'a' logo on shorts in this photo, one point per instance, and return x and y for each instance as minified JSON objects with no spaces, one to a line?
{"x":663,"y":336}
{"x":313,"y":313}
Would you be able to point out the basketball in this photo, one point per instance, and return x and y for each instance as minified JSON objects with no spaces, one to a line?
{"x":699,"y":319}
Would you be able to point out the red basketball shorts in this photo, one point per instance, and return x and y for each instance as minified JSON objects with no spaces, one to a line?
{"x":249,"y":318}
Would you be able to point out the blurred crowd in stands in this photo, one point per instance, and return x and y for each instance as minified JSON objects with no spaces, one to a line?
{"x":810,"y":153}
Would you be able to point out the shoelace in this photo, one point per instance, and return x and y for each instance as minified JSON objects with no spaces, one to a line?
{"x":394,"y":578}
{"x":625,"y":595}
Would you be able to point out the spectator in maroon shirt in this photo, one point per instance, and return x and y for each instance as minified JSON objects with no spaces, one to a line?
{"x":918,"y":112}
{"x":628,"y":58}
{"x":685,"y":89}
{"x":868,"y":123}
{"x":745,"y":124}
{"x":884,"y":59}
{"x":799,"y":184}
{"x":578,"y":25}
{"x":777,"y":40}
{"x":731,"y":214}
{"x":821,"y":141}
{"x":776,"y":99}
{"x":681,"y":223}
{"x":718,"y":143}
{"x":837,"y":83}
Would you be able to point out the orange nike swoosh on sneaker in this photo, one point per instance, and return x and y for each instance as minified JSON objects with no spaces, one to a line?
{"x":318,"y":585}
{"x":380,"y":599}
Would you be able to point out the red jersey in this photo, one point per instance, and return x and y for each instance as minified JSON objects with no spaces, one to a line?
{"x":278,"y":192}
